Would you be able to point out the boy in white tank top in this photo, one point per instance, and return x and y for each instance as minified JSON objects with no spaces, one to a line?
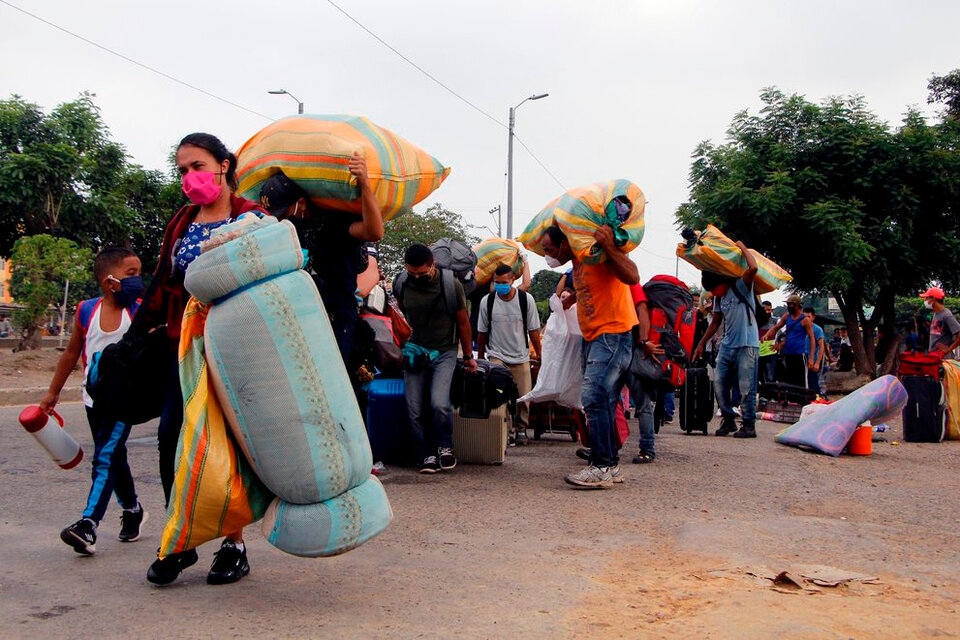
{"x":100,"y":322}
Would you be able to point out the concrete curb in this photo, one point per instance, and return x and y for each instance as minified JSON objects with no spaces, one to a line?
{"x":32,"y":395}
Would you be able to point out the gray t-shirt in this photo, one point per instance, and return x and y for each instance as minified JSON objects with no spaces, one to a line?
{"x":506,"y":335}
{"x":740,"y":326}
{"x":943,"y":329}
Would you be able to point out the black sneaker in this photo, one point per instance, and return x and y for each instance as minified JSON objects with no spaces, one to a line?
{"x":727,"y":426}
{"x":584,"y":453}
{"x":448,"y":460}
{"x":521,"y":437}
{"x":430,"y":465}
{"x":229,"y":564}
{"x":746,"y":431}
{"x":166,"y":570}
{"x":82,"y":536}
{"x":131,"y":522}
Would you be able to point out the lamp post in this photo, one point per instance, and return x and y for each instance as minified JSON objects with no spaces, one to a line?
{"x":498,"y":221}
{"x":510,"y":162}
{"x":284,"y":92}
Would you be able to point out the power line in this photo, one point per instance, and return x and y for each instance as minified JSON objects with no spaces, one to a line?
{"x":542,"y":166}
{"x":136,"y":62}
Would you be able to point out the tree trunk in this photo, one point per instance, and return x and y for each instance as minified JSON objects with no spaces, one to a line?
{"x":853,"y":318}
{"x":30,"y":339}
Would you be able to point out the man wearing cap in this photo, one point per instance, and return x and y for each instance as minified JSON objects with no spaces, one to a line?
{"x":944,"y":328}
{"x":334,"y":242}
{"x":797,"y":353}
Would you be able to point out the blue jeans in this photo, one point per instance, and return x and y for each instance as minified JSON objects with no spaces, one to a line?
{"x":669,"y":405}
{"x":737,"y":368}
{"x":643,"y":399}
{"x":606,"y":362}
{"x":429,"y":406}
{"x":111,"y":473}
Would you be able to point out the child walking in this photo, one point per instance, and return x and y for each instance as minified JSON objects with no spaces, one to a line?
{"x":100,"y":322}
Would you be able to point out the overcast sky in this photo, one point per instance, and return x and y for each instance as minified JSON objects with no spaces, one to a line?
{"x":634,"y":85}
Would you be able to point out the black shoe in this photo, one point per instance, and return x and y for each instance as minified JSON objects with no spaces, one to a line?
{"x":229,"y":564}
{"x":521,"y":437}
{"x":446,"y":459}
{"x":131,"y":522}
{"x":166,"y":570}
{"x":746,"y":432}
{"x":82,"y":536}
{"x":728,"y":426}
{"x":430,"y":465}
{"x":584,"y":453}
{"x":644,"y":457}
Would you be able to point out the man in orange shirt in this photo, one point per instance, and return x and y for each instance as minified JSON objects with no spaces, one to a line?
{"x":607,"y":316}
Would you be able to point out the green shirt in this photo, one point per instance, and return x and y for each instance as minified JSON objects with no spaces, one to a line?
{"x":434,"y":326}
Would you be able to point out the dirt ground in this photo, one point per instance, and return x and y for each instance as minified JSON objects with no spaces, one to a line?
{"x":686,"y":547}
{"x":26,"y":369}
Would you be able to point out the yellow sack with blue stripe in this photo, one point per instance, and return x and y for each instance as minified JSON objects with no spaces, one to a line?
{"x":711,"y":250}
{"x":533,"y":233}
{"x":493,"y":252}
{"x":951,"y":388}
{"x":618,"y":204}
{"x":314,"y":151}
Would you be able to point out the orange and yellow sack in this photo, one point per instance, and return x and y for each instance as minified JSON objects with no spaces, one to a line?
{"x":214,"y":489}
{"x":493,"y":252}
{"x":951,"y":389}
{"x":581,"y":211}
{"x":314,"y":151}
{"x":713,"y":251}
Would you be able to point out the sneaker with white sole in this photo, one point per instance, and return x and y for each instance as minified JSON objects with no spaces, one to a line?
{"x":131,"y":523}
{"x":615,"y":474}
{"x":82,"y":536}
{"x":446,"y":458}
{"x":430,"y":465}
{"x":590,"y":477}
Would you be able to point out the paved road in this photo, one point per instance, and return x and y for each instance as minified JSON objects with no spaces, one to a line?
{"x":493,"y":552}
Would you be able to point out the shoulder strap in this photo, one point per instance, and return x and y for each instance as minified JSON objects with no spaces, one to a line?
{"x":85,"y":312}
{"x":489,"y":299}
{"x":523,"y":314}
{"x":398,"y":282}
{"x":741,"y":298}
{"x":449,"y":290}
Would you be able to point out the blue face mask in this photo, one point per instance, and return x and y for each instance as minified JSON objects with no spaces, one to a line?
{"x":502,"y":288}
{"x":130,"y":289}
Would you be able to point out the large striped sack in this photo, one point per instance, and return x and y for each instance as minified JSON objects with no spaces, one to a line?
{"x":215,"y":491}
{"x":951,"y":391}
{"x":711,"y":250}
{"x":314,"y":151}
{"x":533,"y":233}
{"x":493,"y":252}
{"x":285,"y":393}
{"x":830,"y":427}
{"x":616,"y":203}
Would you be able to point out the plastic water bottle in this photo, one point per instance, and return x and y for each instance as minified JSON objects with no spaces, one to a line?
{"x":880,"y":428}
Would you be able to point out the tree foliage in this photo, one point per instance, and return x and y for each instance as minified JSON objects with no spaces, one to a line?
{"x":846,"y":204}
{"x":407,"y":228}
{"x":945,"y":90}
{"x":42,"y":265}
{"x":60,"y":174}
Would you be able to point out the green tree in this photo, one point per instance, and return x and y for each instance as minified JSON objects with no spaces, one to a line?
{"x":846,"y":204}
{"x":945,"y":90}
{"x":407,"y":228}
{"x":61,"y":174}
{"x":42,"y":265}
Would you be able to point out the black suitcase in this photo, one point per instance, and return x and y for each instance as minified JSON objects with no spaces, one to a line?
{"x":696,"y":401}
{"x":924,"y":418}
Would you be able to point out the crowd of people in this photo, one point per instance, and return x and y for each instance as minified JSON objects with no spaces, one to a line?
{"x":739,"y":339}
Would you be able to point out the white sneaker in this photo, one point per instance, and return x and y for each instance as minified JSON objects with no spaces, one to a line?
{"x":590,"y":477}
{"x":615,"y":474}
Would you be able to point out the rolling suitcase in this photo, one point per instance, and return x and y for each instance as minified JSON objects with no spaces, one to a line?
{"x":480,"y":440}
{"x":388,"y":426}
{"x":924,"y":418}
{"x":696,"y":401}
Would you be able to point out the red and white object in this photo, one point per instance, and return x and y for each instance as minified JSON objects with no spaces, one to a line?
{"x":59,"y":444}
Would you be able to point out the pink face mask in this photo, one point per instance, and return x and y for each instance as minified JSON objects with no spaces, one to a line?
{"x":201,"y":187}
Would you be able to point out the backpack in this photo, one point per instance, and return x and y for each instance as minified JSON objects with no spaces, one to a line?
{"x":673,"y":316}
{"x":458,"y":258}
{"x":446,"y":279}
{"x":523,"y":312}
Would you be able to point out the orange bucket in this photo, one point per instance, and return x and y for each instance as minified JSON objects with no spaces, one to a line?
{"x":861,"y":443}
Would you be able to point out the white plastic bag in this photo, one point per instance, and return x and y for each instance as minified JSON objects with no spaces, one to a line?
{"x":561,"y":361}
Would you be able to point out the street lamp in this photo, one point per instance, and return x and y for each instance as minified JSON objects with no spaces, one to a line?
{"x":284,"y":92}
{"x":510,"y":163}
